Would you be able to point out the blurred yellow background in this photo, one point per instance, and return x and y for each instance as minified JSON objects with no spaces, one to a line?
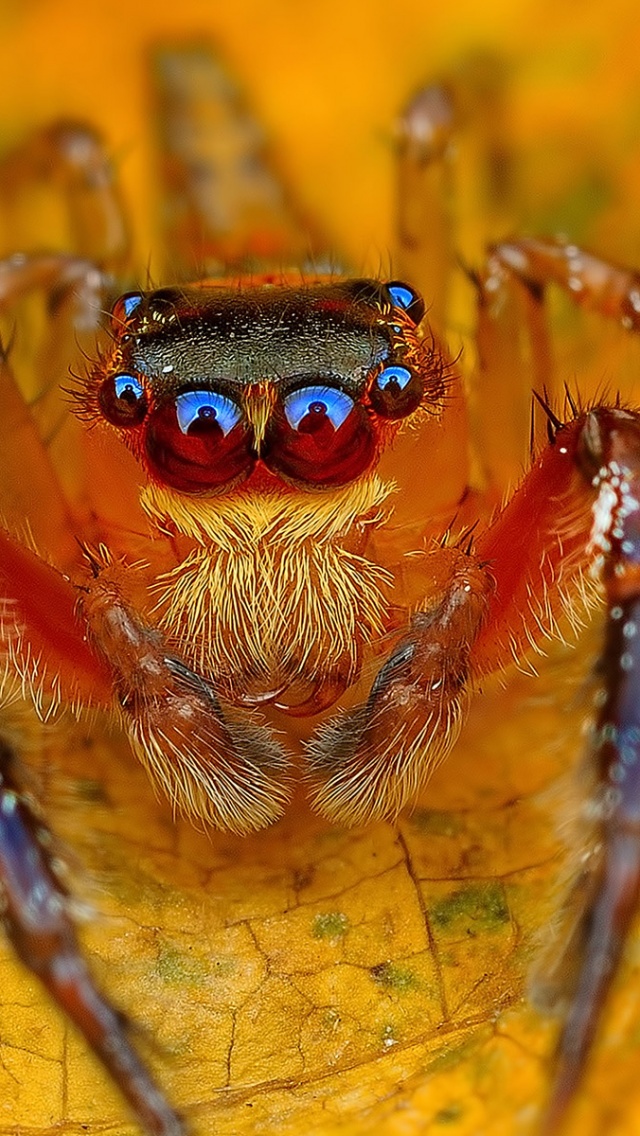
{"x":327,"y":78}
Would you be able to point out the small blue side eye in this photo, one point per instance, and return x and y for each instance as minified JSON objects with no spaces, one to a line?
{"x":399,"y":377}
{"x":323,"y":401}
{"x":406,"y":298}
{"x":128,"y":387}
{"x":130,"y":302}
{"x":402,"y":296}
{"x":202,"y":406}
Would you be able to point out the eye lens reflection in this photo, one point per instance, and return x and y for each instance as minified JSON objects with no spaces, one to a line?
{"x":308,"y":408}
{"x":128,"y":387}
{"x":201,"y":409}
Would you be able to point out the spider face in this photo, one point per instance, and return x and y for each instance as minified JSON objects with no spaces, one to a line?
{"x":213,"y":386}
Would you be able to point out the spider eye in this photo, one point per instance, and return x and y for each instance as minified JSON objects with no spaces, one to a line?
{"x":200,"y":411}
{"x":122,"y":400}
{"x":396,"y":392}
{"x":306,"y":410}
{"x":319,"y":436}
{"x":404,"y":296}
{"x":198,"y":442}
{"x":124,"y":308}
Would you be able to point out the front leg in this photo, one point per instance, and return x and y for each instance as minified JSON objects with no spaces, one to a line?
{"x":372,"y":761}
{"x":575,"y":516}
{"x":86,"y":644}
{"x":215,"y":765}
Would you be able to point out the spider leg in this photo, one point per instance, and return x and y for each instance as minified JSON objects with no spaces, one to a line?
{"x":42,"y":639}
{"x":34,"y":908}
{"x":214,"y":764}
{"x":508,"y":309}
{"x":609,"y":458}
{"x":370,"y":762}
{"x":514,"y":345}
{"x":80,"y":482}
{"x":70,"y":158}
{"x":424,"y":236}
{"x":86,"y":643}
{"x":34,"y":507}
{"x":224,"y":207}
{"x":578,"y":509}
{"x":594,"y":284}
{"x":446,"y":130}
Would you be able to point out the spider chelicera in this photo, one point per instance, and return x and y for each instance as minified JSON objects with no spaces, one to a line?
{"x":303,"y":572}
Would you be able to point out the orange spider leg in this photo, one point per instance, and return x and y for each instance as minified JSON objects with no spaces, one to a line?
{"x":588,"y":481}
{"x":69,"y":157}
{"x":80,"y":482}
{"x":224,"y":207}
{"x":34,"y":508}
{"x":84,"y":214}
{"x":593,"y":283}
{"x":42,"y":632}
{"x":534,"y":549}
{"x":424,"y":239}
{"x":424,"y":256}
{"x":513,"y":358}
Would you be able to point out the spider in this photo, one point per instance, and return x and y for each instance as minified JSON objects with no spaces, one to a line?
{"x":276,"y":555}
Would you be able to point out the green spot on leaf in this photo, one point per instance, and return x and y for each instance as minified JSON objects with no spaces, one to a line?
{"x":482,"y":906}
{"x":330,"y":925}
{"x":435,"y":823}
{"x":400,"y":979}
{"x":181,"y":969}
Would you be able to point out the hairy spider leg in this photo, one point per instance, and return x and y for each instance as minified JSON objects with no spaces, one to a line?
{"x":44,"y":642}
{"x":607,"y":453}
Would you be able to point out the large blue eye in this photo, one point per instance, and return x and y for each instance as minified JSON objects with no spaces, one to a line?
{"x":319,"y":437}
{"x":405,"y":297}
{"x":311,"y":407}
{"x":198,"y":442}
{"x":200,"y":409}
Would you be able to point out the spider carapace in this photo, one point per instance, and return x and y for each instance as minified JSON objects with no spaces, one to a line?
{"x":319,"y":586}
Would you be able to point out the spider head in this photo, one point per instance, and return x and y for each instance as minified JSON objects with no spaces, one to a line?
{"x":215,"y":384}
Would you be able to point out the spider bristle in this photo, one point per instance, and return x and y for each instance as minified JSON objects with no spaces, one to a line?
{"x":553,"y":422}
{"x":573,"y":405}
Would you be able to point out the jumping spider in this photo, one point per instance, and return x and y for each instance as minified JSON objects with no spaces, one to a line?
{"x":262,"y":597}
